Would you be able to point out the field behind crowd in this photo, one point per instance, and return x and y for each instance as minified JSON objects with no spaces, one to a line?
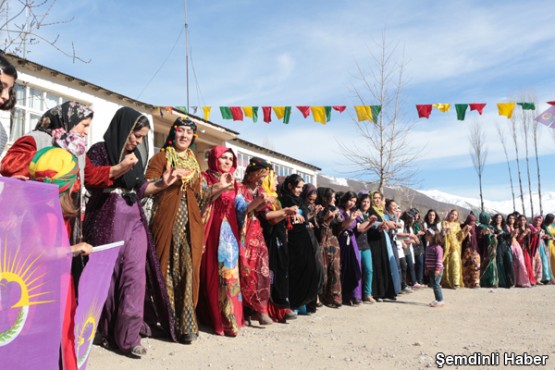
{"x":406,"y":334}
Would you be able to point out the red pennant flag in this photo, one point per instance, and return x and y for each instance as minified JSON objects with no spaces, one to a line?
{"x":339,"y":108}
{"x":424,"y":110}
{"x":236,"y":113}
{"x":267,"y":114}
{"x":477,"y":106}
{"x":552,"y":102}
{"x":305,"y":110}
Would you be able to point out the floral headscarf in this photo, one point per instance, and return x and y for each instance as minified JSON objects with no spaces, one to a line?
{"x":58,"y":122}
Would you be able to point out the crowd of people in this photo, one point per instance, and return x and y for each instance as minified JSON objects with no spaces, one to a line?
{"x":205,"y":248}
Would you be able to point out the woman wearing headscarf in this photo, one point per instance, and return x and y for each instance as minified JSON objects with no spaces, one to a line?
{"x":176,"y":225}
{"x":57,"y":166}
{"x":273,"y":219}
{"x":305,"y":270}
{"x":114,"y":213}
{"x":454,"y":235}
{"x":8,"y":75}
{"x":65,"y":126}
{"x":253,"y":262}
{"x":327,"y":222}
{"x":523,"y":237}
{"x":220,"y":303}
{"x":487,"y":244}
{"x":536,"y":247}
{"x":470,"y":256}
{"x":504,"y":256}
{"x":549,"y":249}
{"x":519,"y":265}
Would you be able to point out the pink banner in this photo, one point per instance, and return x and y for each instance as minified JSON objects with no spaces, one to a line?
{"x":93,"y":289}
{"x":35,"y":264}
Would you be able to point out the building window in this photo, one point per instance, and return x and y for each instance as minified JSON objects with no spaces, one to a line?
{"x":30,"y":106}
{"x":242,"y":163}
{"x":281,"y":170}
{"x":306,"y":177}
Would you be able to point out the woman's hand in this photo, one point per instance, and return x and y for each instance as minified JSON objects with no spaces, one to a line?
{"x":81,"y":249}
{"x":226,"y":180}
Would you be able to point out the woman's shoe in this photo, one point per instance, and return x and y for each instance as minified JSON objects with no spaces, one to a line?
{"x":263,"y":318}
{"x":368,"y":299}
{"x":138,"y":351}
{"x":437,"y":304}
{"x":291,"y":315}
{"x":188,"y":338}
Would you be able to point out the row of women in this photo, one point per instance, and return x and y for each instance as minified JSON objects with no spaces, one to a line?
{"x":488,"y":251}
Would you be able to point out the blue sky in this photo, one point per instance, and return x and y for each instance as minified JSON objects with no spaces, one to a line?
{"x":270,"y":53}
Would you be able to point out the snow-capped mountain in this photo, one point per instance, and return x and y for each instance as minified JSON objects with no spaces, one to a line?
{"x":505,"y":207}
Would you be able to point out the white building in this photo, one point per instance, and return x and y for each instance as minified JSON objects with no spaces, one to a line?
{"x":40,"y":88}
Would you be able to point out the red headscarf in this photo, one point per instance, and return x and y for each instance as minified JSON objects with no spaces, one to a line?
{"x":216,"y":153}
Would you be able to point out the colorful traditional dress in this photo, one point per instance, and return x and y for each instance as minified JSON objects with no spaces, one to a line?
{"x":550,"y":245}
{"x":114,"y":213}
{"x":220,"y":302}
{"x":536,"y":244}
{"x":470,"y":256}
{"x":523,"y":240}
{"x":351,"y":268}
{"x":504,"y":257}
{"x":487,"y":243}
{"x":305,"y":268}
{"x":386,"y":282}
{"x":331,"y":258}
{"x":521,"y":274}
{"x":178,"y":234}
{"x":253,"y":261}
{"x":452,"y":273}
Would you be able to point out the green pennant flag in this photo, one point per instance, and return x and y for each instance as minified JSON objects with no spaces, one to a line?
{"x":287,"y":115}
{"x":226,"y":113}
{"x":461,"y":111}
{"x":328,"y":113}
{"x":376,"y":110}
{"x":182,"y":108}
{"x":527,"y":105}
{"x":254,"y":114}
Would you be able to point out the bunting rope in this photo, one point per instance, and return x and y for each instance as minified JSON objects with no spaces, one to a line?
{"x":370,"y":113}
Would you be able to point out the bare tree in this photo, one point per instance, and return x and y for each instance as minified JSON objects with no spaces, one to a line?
{"x":504,"y":144}
{"x":526,"y":122}
{"x":22,"y":24}
{"x":535,"y":138}
{"x":514,"y":132}
{"x":386,"y":153}
{"x":478,"y":153}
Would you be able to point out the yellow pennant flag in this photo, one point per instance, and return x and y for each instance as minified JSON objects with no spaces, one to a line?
{"x":506,"y":109}
{"x":319,"y":114}
{"x":206,"y":112}
{"x":247,"y":111}
{"x":364,"y":112}
{"x":279,"y":111}
{"x":442,"y":107}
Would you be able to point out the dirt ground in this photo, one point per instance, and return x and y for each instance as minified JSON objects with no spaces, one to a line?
{"x":406,"y":334}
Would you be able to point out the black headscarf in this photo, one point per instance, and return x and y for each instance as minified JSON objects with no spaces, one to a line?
{"x":180,"y":121}
{"x":66,"y":116}
{"x":115,"y":138}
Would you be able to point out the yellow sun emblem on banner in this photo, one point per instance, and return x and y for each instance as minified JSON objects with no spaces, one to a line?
{"x":25,"y":273}
{"x":85,"y":331}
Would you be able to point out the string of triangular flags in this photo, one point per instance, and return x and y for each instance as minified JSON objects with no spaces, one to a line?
{"x":322,"y":114}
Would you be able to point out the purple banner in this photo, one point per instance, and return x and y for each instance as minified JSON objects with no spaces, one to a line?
{"x":35,"y":264}
{"x":548,"y":117}
{"x":93,"y":290}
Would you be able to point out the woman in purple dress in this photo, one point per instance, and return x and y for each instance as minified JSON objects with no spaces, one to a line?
{"x":114,"y":213}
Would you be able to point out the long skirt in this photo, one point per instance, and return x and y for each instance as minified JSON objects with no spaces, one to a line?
{"x":471,"y":268}
{"x":521,"y":274}
{"x":547,"y":275}
{"x":122,"y":315}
